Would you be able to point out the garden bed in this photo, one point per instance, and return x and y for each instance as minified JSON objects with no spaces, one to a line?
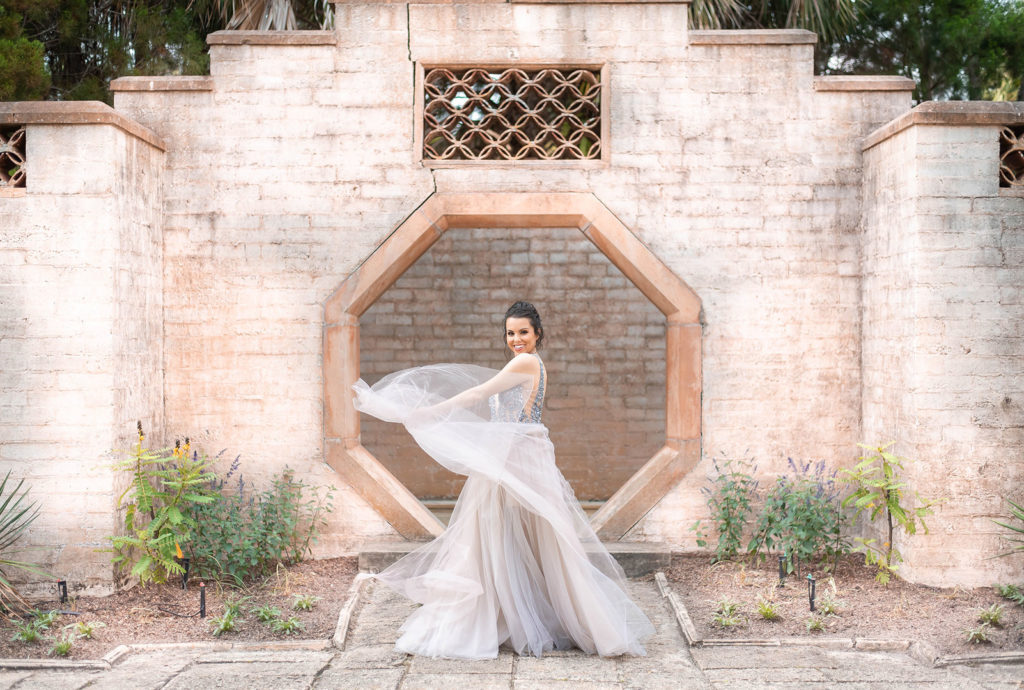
{"x":900,"y":611}
{"x":147,"y":614}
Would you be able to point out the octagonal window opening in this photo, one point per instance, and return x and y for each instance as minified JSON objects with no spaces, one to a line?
{"x":604,"y":350}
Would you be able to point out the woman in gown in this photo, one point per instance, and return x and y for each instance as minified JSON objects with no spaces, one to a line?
{"x":518,"y":563}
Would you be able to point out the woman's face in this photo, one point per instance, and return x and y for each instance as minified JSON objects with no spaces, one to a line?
{"x":519,"y":335}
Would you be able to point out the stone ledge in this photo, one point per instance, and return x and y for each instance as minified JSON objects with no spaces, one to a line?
{"x":271,"y":38}
{"x":950,"y":113}
{"x":190,"y":83}
{"x":844,"y":82}
{"x":731,"y":37}
{"x":74,"y":113}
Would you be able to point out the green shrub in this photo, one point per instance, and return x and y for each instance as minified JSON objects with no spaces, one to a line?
{"x":244,"y":534}
{"x":878,"y":489}
{"x":165,"y":485}
{"x":729,"y":501}
{"x":802,"y":518}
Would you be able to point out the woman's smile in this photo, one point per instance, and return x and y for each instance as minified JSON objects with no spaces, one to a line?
{"x":520,"y":336}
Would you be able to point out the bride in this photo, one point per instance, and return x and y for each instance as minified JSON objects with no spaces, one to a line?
{"x":518,"y":563}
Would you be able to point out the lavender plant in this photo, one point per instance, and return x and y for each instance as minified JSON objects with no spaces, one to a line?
{"x":802,"y":518}
{"x":729,"y":500}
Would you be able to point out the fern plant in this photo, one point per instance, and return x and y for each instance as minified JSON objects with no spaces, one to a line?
{"x":164,"y":484}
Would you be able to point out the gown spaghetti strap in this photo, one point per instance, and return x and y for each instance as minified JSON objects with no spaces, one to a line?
{"x":519,"y":563}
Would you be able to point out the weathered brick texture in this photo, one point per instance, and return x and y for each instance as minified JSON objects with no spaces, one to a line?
{"x":604,"y":348}
{"x":188,"y":288}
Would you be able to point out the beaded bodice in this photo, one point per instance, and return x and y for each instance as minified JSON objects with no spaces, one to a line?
{"x":510,"y":405}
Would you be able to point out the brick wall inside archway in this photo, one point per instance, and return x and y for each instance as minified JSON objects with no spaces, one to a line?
{"x":604,"y":348}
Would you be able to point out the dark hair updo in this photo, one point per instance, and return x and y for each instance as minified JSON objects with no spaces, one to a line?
{"x":524,"y":310}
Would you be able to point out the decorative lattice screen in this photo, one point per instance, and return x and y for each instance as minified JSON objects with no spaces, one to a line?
{"x":485,"y":114}
{"x":12,"y":156}
{"x":1011,"y":157}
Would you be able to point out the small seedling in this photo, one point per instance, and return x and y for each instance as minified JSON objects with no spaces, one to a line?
{"x":84,"y":630}
{"x":225,"y":623}
{"x":27,"y":632}
{"x":266,"y":613}
{"x":62,"y":646}
{"x":233,"y":606}
{"x":815,"y":623}
{"x":993,"y":615}
{"x":44,"y":619}
{"x":1012,"y":592}
{"x":768,"y":609}
{"x":304,"y":602}
{"x":726,"y":620}
{"x":727,"y":607}
{"x":830,"y":606}
{"x":977,"y":635}
{"x":289,"y":626}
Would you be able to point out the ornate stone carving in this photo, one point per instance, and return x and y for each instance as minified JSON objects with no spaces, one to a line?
{"x":12,"y":156}
{"x":485,"y":114}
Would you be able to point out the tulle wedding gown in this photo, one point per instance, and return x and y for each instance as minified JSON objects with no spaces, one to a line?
{"x":518,"y":562}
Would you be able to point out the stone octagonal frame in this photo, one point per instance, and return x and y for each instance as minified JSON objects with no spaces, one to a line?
{"x":681,"y":306}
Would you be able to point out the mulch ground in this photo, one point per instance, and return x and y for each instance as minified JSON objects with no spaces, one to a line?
{"x":166,"y":613}
{"x":898,"y":611}
{"x":868,"y":609}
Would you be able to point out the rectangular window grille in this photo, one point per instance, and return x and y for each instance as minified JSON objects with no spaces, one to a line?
{"x":1011,"y":157}
{"x":492,"y":114}
{"x":12,"y":156}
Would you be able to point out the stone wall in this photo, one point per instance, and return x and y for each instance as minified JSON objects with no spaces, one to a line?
{"x":604,"y":348}
{"x":296,"y":158}
{"x":942,"y":336}
{"x":80,"y":325}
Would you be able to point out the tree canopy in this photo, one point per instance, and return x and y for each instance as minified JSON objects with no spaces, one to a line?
{"x":71,"y":49}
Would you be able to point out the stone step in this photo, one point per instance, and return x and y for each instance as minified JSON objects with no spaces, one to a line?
{"x":636,"y":558}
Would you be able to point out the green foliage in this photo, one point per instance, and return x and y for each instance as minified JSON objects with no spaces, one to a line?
{"x":16,"y":514}
{"x":304,"y":602}
{"x":1014,"y":593}
{"x":768,"y":609}
{"x":825,"y":17}
{"x":727,"y":614}
{"x":23,"y":75}
{"x":27,"y":632}
{"x":288,"y":626}
{"x":978,"y":635}
{"x":729,"y":500}
{"x":993,"y":615}
{"x":1015,"y":525}
{"x":62,"y":645}
{"x":952,"y":49}
{"x":801,"y":517}
{"x":878,"y":490}
{"x":266,"y":613}
{"x":226,"y":622}
{"x":245,"y":534}
{"x":815,"y":623}
{"x":44,"y":619}
{"x":85,"y":630}
{"x":165,"y":486}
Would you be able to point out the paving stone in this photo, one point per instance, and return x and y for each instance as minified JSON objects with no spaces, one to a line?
{"x":359,"y":678}
{"x":447,"y":681}
{"x":548,"y":683}
{"x":65,"y":680}
{"x":580,"y":667}
{"x":771,"y":675}
{"x":144,"y":671}
{"x":264,"y":656}
{"x":665,"y":681}
{"x":252,"y":675}
{"x":882,"y":667}
{"x":761,"y":657}
{"x":503,"y":664}
{"x":660,"y":660}
{"x":9,"y":678}
{"x":991,"y":675}
{"x":370,"y":656}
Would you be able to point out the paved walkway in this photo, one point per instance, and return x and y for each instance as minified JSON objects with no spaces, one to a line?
{"x":369,"y":661}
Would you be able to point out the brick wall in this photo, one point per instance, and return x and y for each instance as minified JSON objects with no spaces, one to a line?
{"x":604,"y":348}
{"x":943,"y":269}
{"x":80,"y":334}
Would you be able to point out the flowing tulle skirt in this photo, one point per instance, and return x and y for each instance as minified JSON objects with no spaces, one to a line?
{"x":519,"y":563}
